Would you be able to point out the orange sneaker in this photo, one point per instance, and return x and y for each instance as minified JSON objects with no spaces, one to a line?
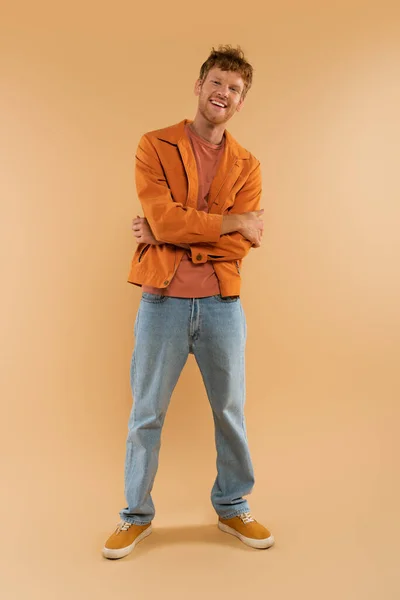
{"x":246,"y":528}
{"x":125,"y":538}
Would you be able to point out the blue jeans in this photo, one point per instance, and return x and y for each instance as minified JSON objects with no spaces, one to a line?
{"x":167,"y":329}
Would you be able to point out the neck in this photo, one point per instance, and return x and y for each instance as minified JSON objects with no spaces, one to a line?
{"x":208,"y":131}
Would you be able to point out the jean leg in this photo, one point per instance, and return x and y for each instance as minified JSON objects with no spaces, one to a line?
{"x":220,"y":354}
{"x":161,"y":351}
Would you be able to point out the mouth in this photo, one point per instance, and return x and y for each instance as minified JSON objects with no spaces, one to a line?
{"x":218,"y":104}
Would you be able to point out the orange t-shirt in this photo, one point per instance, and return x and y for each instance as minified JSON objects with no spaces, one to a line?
{"x":192,"y":280}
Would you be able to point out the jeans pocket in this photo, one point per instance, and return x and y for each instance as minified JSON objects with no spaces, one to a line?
{"x":153,"y":298}
{"x":226,"y":299}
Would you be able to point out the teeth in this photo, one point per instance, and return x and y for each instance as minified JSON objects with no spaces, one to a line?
{"x":218,"y":104}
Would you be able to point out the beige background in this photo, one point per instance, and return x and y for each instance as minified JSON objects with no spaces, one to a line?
{"x":80,"y":82}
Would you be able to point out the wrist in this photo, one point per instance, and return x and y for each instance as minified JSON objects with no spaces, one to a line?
{"x":231,"y":223}
{"x":239,"y":223}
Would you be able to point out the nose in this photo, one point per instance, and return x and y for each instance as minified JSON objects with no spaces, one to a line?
{"x":223,"y":92}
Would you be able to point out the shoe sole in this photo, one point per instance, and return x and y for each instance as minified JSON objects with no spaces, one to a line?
{"x":121,"y":552}
{"x":265,"y":543}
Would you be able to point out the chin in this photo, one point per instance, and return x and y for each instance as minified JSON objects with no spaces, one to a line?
{"x":212,"y":118}
{"x":215,"y":120}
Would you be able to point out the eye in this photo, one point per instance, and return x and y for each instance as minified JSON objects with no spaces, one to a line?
{"x":217,"y":82}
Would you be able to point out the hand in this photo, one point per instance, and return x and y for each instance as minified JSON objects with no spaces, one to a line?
{"x":252,"y":227}
{"x":142,"y":232}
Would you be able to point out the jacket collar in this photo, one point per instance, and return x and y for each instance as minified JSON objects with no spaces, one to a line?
{"x":176,"y":133}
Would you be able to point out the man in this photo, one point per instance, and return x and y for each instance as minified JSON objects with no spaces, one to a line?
{"x":200,"y":193}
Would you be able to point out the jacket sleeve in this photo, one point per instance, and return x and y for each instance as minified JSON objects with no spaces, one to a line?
{"x":170,"y":221}
{"x":233,"y":246}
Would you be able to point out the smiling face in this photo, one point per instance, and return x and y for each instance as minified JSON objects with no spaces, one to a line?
{"x":220,"y":95}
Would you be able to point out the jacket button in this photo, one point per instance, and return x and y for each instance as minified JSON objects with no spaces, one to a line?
{"x":166,"y":282}
{"x":199,"y":257}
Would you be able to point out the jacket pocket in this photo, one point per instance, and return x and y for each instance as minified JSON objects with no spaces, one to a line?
{"x":143,"y":251}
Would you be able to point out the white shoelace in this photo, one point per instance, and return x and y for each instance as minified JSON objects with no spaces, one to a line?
{"x":246,"y":518}
{"x":123,"y":525}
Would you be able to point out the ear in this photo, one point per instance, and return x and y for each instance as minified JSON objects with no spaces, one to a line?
{"x":240,"y":105}
{"x":197,"y":87}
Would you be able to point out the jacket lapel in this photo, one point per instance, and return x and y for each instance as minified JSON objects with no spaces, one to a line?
{"x":189,"y":162}
{"x":228,"y":170}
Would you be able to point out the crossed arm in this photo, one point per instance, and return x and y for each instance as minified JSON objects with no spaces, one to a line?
{"x":194,"y":230}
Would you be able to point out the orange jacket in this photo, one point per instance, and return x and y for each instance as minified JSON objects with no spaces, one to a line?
{"x":167,"y":186}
